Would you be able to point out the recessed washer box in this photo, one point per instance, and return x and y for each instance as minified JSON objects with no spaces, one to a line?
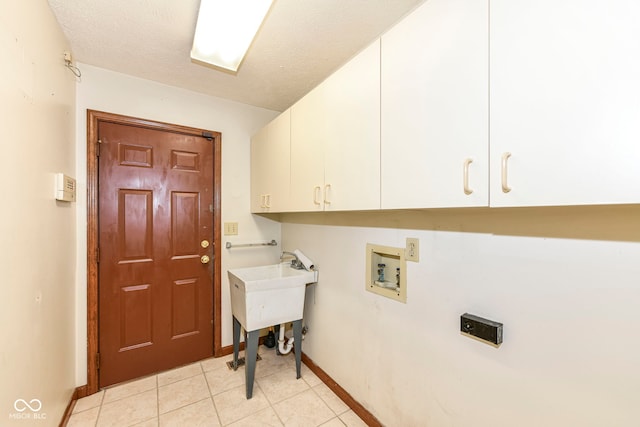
{"x":386,"y":272}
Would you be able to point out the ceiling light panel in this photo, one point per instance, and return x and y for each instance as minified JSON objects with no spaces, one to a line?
{"x":225,"y":30}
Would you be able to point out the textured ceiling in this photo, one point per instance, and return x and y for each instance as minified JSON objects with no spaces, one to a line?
{"x":299,"y":45}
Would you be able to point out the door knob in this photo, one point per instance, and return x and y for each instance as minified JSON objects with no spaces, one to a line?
{"x":205,"y":259}
{"x":204,"y":244}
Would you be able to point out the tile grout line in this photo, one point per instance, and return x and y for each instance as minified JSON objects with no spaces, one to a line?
{"x":270,"y":404}
{"x":157,"y":400}
{"x":202,"y":372}
{"x":186,"y":404}
{"x":213,"y":402}
{"x":210,"y":396}
{"x":277,"y":414}
{"x":181,"y":379}
{"x":99,"y":409}
{"x":129,"y":395}
{"x":327,"y":403}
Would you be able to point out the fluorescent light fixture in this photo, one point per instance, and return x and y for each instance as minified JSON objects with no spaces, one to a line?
{"x":225,"y":30}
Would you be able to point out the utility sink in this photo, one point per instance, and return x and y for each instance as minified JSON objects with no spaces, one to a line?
{"x":268,"y":295}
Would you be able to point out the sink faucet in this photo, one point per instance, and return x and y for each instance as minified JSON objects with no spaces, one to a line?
{"x":295,"y":262}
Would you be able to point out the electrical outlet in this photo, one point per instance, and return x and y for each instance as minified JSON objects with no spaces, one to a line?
{"x":230,"y":228}
{"x":412,"y":251}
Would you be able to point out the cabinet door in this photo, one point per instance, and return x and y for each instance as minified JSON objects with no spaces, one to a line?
{"x":564,"y":102}
{"x":435,"y":107}
{"x":270,"y":166}
{"x":307,"y":152}
{"x":352,"y":142}
{"x":259,"y":170}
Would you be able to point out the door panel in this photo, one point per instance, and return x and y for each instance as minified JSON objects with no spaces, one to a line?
{"x":135,"y":225}
{"x":184,"y":225}
{"x":155,"y":294}
{"x":135,"y":317}
{"x":184,"y":308}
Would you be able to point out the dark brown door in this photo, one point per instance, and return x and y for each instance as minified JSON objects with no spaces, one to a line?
{"x":155,"y":227}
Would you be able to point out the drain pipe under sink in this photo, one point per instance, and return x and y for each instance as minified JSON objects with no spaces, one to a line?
{"x":286,"y":348}
{"x":282,"y":347}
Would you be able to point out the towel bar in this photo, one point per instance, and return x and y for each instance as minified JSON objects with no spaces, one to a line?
{"x":229,"y":245}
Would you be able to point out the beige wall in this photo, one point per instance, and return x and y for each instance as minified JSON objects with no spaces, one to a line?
{"x":112,"y":92}
{"x":564,"y":281}
{"x":37,"y":233}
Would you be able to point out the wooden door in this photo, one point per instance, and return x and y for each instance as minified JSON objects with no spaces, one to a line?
{"x":155,"y":215}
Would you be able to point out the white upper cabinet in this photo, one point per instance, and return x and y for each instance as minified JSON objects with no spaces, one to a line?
{"x":270,"y":166}
{"x":537,"y":106}
{"x":335,"y":139}
{"x":565,"y":102}
{"x":307,"y":152}
{"x":435,"y":107}
{"x":352,"y":143}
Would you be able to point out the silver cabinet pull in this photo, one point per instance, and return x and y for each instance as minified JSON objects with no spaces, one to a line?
{"x":505,"y":158}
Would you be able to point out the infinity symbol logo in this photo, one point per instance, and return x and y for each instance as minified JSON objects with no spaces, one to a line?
{"x":21,"y":405}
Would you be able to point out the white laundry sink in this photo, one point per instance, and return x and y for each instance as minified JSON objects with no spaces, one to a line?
{"x":268,"y":295}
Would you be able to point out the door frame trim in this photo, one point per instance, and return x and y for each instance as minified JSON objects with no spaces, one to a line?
{"x":93,"y":119}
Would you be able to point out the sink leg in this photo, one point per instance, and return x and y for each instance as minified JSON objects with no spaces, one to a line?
{"x":277,"y":333}
{"x":297,"y":340}
{"x":236,"y":342}
{"x":250,"y":355}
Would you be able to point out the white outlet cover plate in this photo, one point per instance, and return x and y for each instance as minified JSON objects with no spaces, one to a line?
{"x":412,"y":251}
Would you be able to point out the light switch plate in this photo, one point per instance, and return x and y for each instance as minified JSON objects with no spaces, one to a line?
{"x":412,"y":251}
{"x":65,"y":188}
{"x":230,"y":228}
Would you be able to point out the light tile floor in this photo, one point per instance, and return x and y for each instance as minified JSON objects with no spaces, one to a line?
{"x":208,"y":393}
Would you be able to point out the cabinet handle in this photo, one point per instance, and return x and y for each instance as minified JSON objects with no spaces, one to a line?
{"x":467,"y":190}
{"x":267,"y":201}
{"x":263,"y":199}
{"x":316,"y":195}
{"x":326,"y":192}
{"x":505,"y":187}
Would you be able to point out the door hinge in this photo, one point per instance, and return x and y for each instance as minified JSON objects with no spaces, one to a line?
{"x":98,"y":148}
{"x":97,"y":360}
{"x":98,"y":254}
